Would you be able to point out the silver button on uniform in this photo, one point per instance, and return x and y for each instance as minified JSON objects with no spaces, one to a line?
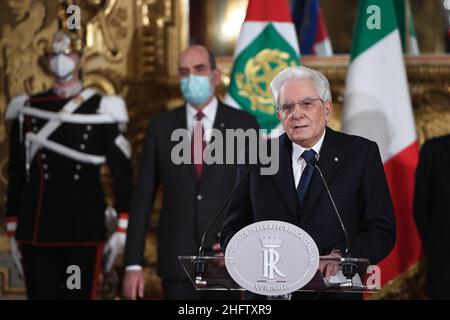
{"x":199,"y":197}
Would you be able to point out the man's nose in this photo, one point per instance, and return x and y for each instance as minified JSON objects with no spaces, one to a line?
{"x":298,"y":111}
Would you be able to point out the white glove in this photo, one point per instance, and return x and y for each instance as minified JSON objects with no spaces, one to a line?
{"x":11,"y":226}
{"x":114,"y":247}
{"x":16,"y":255}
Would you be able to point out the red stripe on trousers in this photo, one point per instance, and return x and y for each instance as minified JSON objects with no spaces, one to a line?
{"x":97,"y":271}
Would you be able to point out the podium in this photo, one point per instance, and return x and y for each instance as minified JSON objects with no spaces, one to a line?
{"x":215,"y":276}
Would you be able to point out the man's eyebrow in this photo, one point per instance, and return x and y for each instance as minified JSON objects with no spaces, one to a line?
{"x":197,"y":66}
{"x":202,"y":65}
{"x":301,"y":99}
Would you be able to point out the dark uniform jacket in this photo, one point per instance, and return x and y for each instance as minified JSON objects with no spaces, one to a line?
{"x":55,"y":190}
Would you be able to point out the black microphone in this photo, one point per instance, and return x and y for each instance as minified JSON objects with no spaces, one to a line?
{"x":349,"y":267}
{"x":199,"y":263}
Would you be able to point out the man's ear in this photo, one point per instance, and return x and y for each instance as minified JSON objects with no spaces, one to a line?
{"x":328,"y":108}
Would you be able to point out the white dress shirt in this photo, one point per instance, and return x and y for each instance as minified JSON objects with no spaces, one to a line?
{"x":208,"y":120}
{"x":298,"y":163}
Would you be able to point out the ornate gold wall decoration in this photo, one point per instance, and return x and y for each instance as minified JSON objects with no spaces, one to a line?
{"x":21,"y":48}
{"x":429,"y":78}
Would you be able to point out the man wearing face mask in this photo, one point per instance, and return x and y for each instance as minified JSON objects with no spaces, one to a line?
{"x":192,"y":193}
{"x":56,"y":207}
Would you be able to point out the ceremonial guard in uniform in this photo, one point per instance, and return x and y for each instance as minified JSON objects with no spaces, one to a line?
{"x":56,"y":207}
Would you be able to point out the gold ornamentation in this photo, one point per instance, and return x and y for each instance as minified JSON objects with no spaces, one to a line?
{"x":6,"y":288}
{"x":254,"y":83}
{"x":99,"y":37}
{"x":9,"y":285}
{"x":21,"y":49}
{"x":409,"y":284}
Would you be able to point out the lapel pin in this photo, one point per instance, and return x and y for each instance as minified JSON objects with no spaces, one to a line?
{"x":336,"y":159}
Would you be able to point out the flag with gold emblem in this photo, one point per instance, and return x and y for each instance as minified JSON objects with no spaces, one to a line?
{"x":267,"y":44}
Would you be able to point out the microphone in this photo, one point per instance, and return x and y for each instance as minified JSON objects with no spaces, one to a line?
{"x":349,"y":267}
{"x":199,"y":263}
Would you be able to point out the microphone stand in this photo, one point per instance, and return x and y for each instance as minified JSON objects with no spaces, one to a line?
{"x":199,"y":263}
{"x":349,"y":266}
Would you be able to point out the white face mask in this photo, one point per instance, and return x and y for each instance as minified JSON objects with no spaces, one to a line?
{"x":62,"y":66}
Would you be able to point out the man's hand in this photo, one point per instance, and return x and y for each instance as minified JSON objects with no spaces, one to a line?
{"x":114,"y":247}
{"x":330,"y":268}
{"x":16,"y":255}
{"x":133,"y":284}
{"x":218,"y":253}
{"x":217,"y":249}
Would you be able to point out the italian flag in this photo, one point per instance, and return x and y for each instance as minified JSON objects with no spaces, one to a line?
{"x":267,"y":44}
{"x":378,"y":106}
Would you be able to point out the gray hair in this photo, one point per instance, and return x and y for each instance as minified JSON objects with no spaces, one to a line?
{"x":300,"y":72}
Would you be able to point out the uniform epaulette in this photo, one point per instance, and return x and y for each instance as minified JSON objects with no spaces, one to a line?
{"x":17,"y":103}
{"x":114,"y":106}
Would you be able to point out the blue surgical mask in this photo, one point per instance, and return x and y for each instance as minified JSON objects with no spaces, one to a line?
{"x":196,"y":89}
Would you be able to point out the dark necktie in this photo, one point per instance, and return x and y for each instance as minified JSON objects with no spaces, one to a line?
{"x":307,"y":173}
{"x":198,"y":144}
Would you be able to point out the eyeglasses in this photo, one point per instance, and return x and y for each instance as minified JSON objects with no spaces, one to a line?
{"x":306,"y":104}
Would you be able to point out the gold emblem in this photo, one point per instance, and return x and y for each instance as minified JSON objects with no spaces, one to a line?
{"x":254,"y":83}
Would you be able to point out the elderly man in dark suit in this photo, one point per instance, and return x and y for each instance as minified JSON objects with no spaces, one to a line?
{"x":351,"y":166}
{"x":192,"y":193}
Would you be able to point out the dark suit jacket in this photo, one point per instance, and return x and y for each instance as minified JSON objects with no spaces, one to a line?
{"x":432,"y":194}
{"x":354,"y":172}
{"x":432,"y":213}
{"x":188,"y":206}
